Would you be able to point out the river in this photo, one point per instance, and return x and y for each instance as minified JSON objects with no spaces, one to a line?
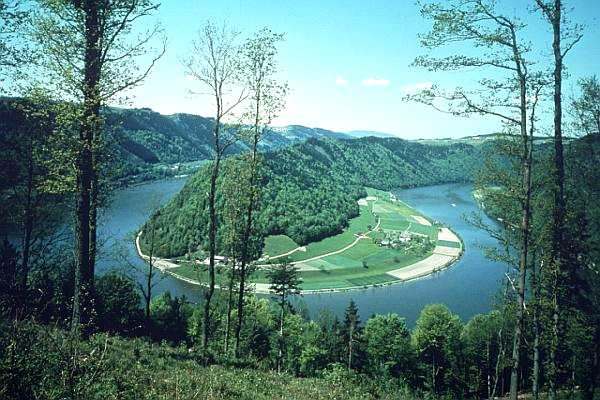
{"x":467,"y":288}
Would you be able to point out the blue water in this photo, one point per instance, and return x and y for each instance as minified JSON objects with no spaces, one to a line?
{"x":467,"y":288}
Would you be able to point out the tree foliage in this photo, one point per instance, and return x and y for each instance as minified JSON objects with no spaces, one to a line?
{"x":309,"y":190}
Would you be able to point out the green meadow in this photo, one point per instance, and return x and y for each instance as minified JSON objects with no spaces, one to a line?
{"x":345,"y":260}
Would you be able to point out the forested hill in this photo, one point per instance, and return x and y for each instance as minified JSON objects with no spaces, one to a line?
{"x":310,"y":189}
{"x":145,"y":144}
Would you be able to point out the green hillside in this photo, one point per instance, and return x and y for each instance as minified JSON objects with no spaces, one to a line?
{"x":311,"y":189}
{"x":144,"y":144}
{"x":110,"y":367}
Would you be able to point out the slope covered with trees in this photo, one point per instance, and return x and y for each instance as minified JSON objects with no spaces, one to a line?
{"x":310,"y":189}
{"x":144,"y":144}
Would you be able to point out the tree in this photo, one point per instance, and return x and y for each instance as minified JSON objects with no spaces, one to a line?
{"x":351,"y":332}
{"x":234,"y":190}
{"x":584,"y":194}
{"x":284,"y":280}
{"x":149,"y":272}
{"x":15,"y":52}
{"x":34,"y":183}
{"x":170,"y":318}
{"x":118,"y":304}
{"x":482,"y":338}
{"x":89,"y":59}
{"x":436,"y":338}
{"x":481,"y":25}
{"x":9,"y":289}
{"x":213,"y":63}
{"x":564,"y":38}
{"x":259,"y":65}
{"x":586,"y":107}
{"x":388,"y":346}
{"x":536,"y":305}
{"x":314,"y":356}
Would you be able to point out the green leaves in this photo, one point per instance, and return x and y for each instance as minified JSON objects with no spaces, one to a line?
{"x":387,"y":345}
{"x":284,"y":279}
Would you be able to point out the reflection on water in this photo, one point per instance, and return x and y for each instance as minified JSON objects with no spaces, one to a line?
{"x":467,"y":288}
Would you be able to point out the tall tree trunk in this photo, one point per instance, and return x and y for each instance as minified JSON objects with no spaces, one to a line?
{"x":212,"y":235}
{"x":559,"y":198}
{"x":94,"y":194}
{"x":350,"y":345}
{"x":229,"y":307}
{"x":281,"y":320}
{"x":498,"y":374}
{"x":245,"y":240}
{"x":28,"y":222}
{"x":148,"y":296}
{"x":149,"y":278}
{"x":525,"y":222}
{"x":433,"y":374}
{"x":535,"y":388}
{"x":487,"y":366}
{"x":84,"y":269}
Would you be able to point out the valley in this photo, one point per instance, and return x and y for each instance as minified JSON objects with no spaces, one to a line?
{"x":299,"y":200}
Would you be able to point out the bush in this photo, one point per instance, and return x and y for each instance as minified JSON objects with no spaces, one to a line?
{"x":118,"y":305}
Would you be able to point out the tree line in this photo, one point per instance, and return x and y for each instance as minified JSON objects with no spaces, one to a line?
{"x":545,"y":213}
{"x":440,"y":355}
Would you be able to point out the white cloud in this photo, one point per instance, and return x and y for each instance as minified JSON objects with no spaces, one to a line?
{"x":375,"y":82}
{"x":341,"y":81}
{"x":413,"y":88}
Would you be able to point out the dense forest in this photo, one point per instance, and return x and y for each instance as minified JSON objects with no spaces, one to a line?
{"x":324,"y":358}
{"x":310,"y":189}
{"x":142,"y":144}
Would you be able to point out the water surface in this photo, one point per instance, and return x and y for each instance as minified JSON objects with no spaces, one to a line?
{"x":467,"y":288}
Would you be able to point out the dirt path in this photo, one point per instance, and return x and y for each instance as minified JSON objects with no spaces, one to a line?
{"x":160,"y":263}
{"x":301,"y":248}
{"x":360,"y":237}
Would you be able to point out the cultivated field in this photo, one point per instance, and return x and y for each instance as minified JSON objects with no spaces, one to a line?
{"x":357,"y":259}
{"x":366,"y":253}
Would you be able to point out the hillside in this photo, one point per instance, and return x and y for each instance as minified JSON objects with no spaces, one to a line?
{"x":311,"y":189}
{"x":145,"y":144}
{"x":361,"y":134}
{"x":110,"y":367}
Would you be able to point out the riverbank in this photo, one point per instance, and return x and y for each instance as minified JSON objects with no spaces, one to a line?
{"x":368,"y":257}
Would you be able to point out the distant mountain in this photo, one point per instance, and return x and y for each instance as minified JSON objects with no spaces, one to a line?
{"x":148,"y":144}
{"x":473,"y":139}
{"x":361,"y":134}
{"x":155,"y":137}
{"x":296,"y":133}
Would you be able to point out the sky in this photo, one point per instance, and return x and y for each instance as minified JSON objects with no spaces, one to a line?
{"x":347,"y":62}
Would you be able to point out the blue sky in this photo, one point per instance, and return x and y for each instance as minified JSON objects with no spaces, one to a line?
{"x":347,"y":62}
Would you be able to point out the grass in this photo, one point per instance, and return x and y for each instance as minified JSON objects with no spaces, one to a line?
{"x":111,"y":367}
{"x":278,"y":244}
{"x":449,"y":244}
{"x":357,"y":225}
{"x":366,"y":263}
{"x":371,"y":280}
